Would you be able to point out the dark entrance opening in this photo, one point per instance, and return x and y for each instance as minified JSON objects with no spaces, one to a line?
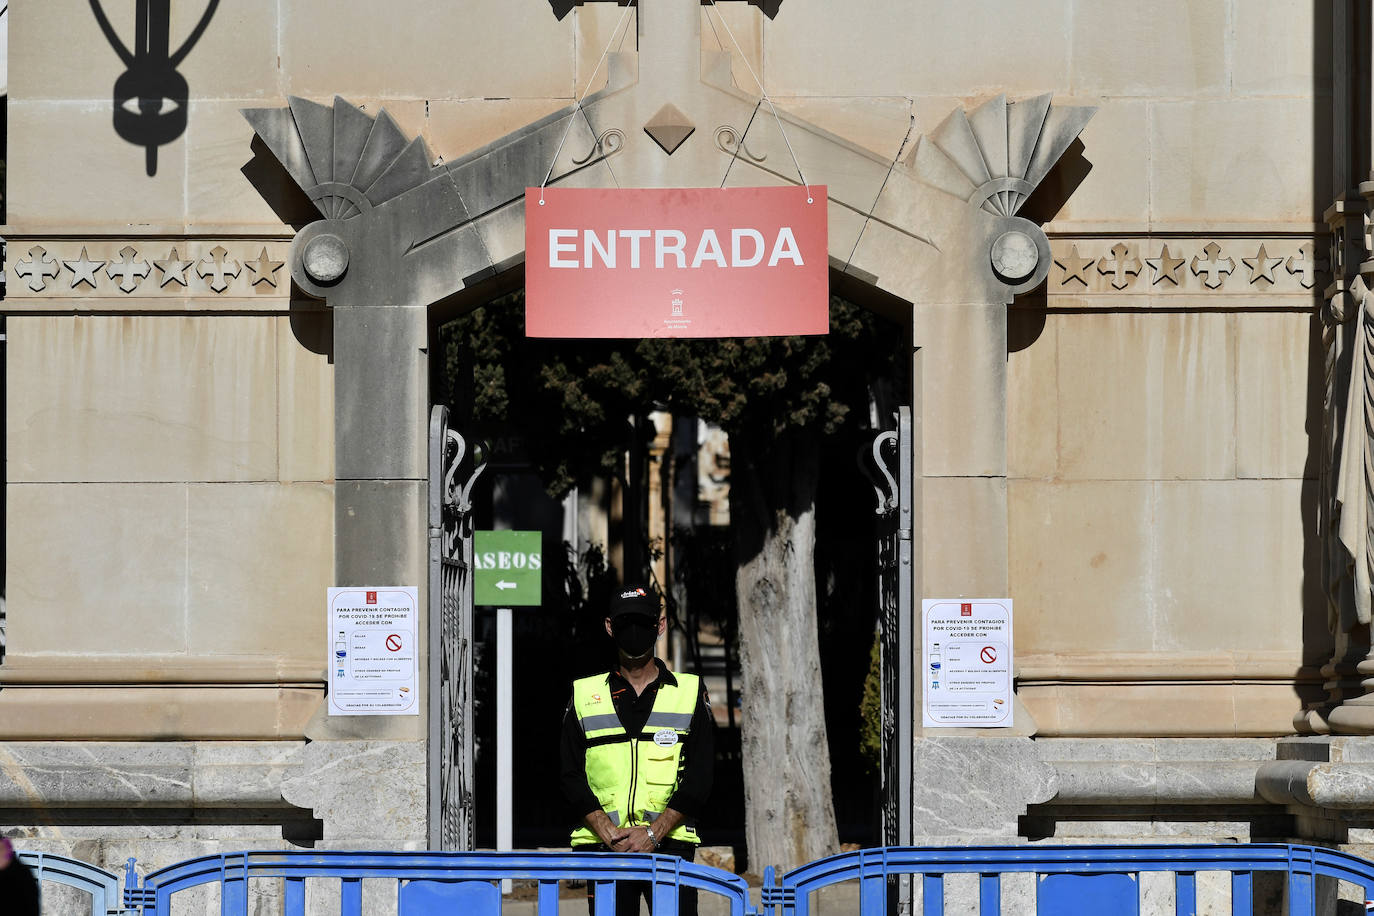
{"x":578,"y":449}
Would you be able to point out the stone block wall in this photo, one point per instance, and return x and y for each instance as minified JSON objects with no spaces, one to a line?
{"x":1160,"y":421}
{"x":1135,"y":471}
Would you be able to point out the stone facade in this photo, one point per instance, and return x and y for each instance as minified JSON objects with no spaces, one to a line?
{"x":1131,"y":449}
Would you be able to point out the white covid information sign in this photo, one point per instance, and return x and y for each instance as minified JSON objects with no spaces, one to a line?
{"x":374,"y":659}
{"x":966,"y":660}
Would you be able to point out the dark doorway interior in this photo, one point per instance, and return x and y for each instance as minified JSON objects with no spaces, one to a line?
{"x":505,"y":390}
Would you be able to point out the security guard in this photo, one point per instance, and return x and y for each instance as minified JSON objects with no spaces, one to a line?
{"x":638,"y":750}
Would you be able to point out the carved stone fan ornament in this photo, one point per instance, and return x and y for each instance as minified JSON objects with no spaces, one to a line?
{"x":344,"y":159}
{"x":994,"y":158}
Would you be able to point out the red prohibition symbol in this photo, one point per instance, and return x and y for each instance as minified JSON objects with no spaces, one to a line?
{"x":393,"y":642}
{"x":988,"y":655}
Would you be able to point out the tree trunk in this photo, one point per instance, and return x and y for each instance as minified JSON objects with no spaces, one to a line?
{"x":789,"y":809}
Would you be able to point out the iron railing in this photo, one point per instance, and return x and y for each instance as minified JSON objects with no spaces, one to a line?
{"x":892,"y":485}
{"x":452,"y":806}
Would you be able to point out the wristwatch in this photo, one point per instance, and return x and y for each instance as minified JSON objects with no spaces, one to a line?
{"x":652,"y":839}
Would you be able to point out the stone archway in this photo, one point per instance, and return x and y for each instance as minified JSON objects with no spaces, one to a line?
{"x":400,"y":234}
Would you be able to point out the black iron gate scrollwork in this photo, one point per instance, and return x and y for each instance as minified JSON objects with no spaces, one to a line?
{"x":452,"y":814}
{"x":891,"y":456}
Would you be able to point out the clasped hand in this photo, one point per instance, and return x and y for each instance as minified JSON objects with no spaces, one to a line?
{"x":633,"y":839}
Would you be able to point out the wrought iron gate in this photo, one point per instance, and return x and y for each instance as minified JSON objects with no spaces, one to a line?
{"x":892,"y":459}
{"x":451,"y":804}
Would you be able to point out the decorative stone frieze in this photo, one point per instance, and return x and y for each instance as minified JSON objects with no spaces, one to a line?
{"x":149,"y":268}
{"x":1207,"y":265}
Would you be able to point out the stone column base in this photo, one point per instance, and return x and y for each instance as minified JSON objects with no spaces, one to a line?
{"x":968,"y":789}
{"x":162,"y":802}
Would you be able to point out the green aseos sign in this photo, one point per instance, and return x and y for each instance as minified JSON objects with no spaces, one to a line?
{"x":507,"y":566}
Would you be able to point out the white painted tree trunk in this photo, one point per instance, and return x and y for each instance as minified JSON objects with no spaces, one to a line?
{"x":789,"y":809}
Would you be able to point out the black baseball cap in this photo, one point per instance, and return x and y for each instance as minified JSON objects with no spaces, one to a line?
{"x":634,"y":599}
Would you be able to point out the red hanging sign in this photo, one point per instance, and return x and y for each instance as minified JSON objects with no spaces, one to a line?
{"x":676,"y":262}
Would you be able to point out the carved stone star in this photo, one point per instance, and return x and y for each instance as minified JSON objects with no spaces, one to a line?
{"x":263,"y":269}
{"x":1074,"y":267}
{"x":173,"y":268}
{"x":83,"y":269}
{"x":1261,"y":266}
{"x":1164,"y":267}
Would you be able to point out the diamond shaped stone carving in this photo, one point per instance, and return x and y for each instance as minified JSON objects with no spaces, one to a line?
{"x":669,"y":127}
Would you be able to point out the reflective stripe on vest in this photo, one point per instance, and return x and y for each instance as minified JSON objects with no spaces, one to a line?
{"x":637,"y":773}
{"x":599,"y":723}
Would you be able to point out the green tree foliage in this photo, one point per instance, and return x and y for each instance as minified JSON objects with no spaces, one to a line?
{"x":575,"y":398}
{"x":871,"y":710}
{"x":572,"y":399}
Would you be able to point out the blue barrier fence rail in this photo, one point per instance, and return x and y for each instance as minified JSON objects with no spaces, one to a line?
{"x":1065,"y":879}
{"x":429,"y":883}
{"x":1070,"y":879}
{"x":100,"y":886}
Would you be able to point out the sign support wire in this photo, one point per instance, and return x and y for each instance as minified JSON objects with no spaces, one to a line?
{"x":771,"y":107}
{"x":577,"y":102}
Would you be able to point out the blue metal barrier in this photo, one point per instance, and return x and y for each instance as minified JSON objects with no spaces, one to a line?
{"x":1069,"y":879}
{"x":431,"y":883}
{"x":102,"y":886}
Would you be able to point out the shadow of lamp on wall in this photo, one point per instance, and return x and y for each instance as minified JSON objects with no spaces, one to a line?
{"x":150,"y":95}
{"x":561,"y":8}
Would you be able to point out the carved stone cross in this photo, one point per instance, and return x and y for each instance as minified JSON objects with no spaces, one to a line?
{"x":129,"y":271}
{"x":37,"y":268}
{"x":1306,"y":265}
{"x":1120,"y":265}
{"x":1214,"y":267}
{"x":222,"y":269}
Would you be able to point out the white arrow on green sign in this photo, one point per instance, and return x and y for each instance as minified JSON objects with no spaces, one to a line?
{"x":507,"y":568}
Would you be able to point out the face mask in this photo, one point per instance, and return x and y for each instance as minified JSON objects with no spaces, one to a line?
{"x":635,"y":637}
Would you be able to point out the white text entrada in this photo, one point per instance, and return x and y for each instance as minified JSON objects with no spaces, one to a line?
{"x":747,"y":248}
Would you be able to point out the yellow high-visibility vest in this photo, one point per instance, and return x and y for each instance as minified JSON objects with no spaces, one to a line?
{"x":634,"y":776}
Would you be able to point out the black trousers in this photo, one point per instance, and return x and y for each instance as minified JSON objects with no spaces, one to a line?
{"x":628,"y":893}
